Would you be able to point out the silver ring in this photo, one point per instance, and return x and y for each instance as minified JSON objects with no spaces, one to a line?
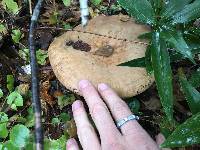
{"x":124,"y":120}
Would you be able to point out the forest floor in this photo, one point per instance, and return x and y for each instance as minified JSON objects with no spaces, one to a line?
{"x":55,"y":19}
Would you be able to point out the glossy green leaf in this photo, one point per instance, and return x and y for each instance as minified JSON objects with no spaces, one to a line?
{"x":176,"y":40}
{"x":15,"y":100}
{"x":157,"y":5}
{"x":162,"y":73}
{"x":188,"y":13}
{"x":195,"y":79}
{"x":10,"y":82}
{"x":191,"y":94}
{"x":173,"y":6}
{"x":3,"y":125}
{"x":139,"y":9}
{"x":185,"y":134}
{"x":19,"y":135}
{"x":139,"y":62}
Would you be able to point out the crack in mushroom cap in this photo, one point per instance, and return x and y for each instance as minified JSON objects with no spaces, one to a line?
{"x":71,"y":65}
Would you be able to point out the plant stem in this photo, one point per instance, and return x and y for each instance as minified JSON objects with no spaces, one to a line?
{"x":35,"y":85}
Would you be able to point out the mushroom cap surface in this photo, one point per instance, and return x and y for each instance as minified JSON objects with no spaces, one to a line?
{"x":102,"y":35}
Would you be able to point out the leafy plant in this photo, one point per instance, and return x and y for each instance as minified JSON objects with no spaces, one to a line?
{"x":11,"y":6}
{"x":16,"y":35}
{"x":41,"y":56}
{"x":66,"y":2}
{"x":3,"y":29}
{"x":10,"y":82}
{"x":191,"y":94}
{"x":96,"y":2}
{"x":15,"y":100}
{"x":185,"y":134}
{"x":170,"y":22}
{"x":173,"y":38}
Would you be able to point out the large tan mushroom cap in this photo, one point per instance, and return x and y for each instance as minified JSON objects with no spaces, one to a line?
{"x":71,"y":65}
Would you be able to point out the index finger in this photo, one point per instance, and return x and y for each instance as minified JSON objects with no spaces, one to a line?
{"x":99,"y":112}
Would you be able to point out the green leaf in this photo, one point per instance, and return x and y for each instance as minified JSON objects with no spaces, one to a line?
{"x":96,"y":2}
{"x":166,"y":126}
{"x":11,"y":5}
{"x":41,"y":56}
{"x":64,"y":117}
{"x":188,"y":13}
{"x":55,"y":121}
{"x":30,"y":119}
{"x":59,"y":144}
{"x":140,"y":9}
{"x":1,"y":93}
{"x":16,"y":35}
{"x":139,"y":62}
{"x":15,"y":100}
{"x":3,"y":29}
{"x":173,"y":6}
{"x":10,"y":82}
{"x":67,"y":2}
{"x":65,"y":100}
{"x":185,"y":134}
{"x":176,"y":40}
{"x":9,"y":146}
{"x":3,"y":125}
{"x":133,"y":104}
{"x":162,"y":73}
{"x":24,"y":54}
{"x":1,"y":146}
{"x":195,"y":79}
{"x":19,"y":135}
{"x":191,"y":94}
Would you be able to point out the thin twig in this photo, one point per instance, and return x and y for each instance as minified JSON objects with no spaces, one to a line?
{"x":35,"y":85}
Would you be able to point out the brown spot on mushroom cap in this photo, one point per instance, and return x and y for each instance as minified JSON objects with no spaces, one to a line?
{"x":71,"y":65}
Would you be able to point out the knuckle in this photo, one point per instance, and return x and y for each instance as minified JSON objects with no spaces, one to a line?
{"x":99,"y":109}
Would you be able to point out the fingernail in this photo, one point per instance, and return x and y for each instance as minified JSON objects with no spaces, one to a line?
{"x":83,"y":83}
{"x":102,"y":86}
{"x":70,"y":142}
{"x":76,"y":105}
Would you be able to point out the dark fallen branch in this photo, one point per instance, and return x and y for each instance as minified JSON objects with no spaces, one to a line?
{"x":35,"y":84}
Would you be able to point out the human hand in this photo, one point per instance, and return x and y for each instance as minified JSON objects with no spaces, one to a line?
{"x":131,"y":135}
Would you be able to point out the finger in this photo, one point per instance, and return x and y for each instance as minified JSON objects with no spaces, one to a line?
{"x":120,"y":110}
{"x":118,"y":107}
{"x":86,"y":133}
{"x":99,"y":112}
{"x":72,"y":144}
{"x":160,"y":139}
